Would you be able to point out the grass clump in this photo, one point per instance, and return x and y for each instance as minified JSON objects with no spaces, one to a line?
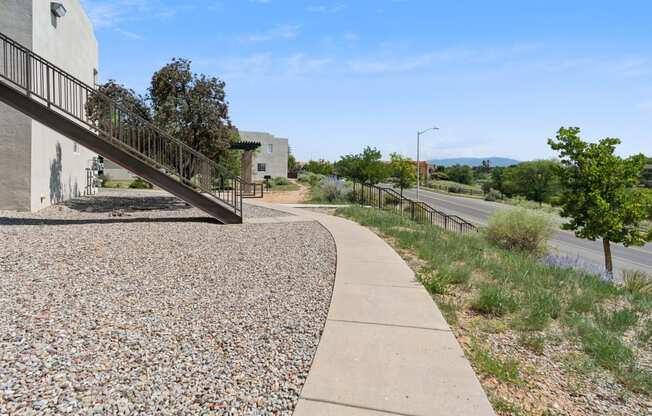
{"x":541,"y":306}
{"x":505,"y":370}
{"x":637,"y":282}
{"x":494,"y":300}
{"x":140,"y":183}
{"x":520,"y":229}
{"x":533,"y":342}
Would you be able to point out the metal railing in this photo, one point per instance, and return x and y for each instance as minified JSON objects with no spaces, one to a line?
{"x":55,"y":88}
{"x":253,"y":190}
{"x":390,"y":200}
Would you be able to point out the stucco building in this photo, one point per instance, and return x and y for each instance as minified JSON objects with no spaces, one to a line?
{"x":271,"y":159}
{"x":38,"y":166}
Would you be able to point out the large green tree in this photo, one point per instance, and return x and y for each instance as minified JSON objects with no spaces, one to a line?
{"x":130,"y":110}
{"x":460,"y":173}
{"x":366,"y":167}
{"x":401,"y":171}
{"x":320,"y":167}
{"x":600,"y":193}
{"x":192,"y":108}
{"x":536,"y":180}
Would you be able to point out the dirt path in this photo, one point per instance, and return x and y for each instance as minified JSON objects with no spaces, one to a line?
{"x":288,"y":197}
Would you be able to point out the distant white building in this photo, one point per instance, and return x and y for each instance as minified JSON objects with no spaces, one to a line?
{"x":38,"y":166}
{"x":271,"y":159}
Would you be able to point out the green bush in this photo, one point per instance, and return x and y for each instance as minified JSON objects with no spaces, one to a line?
{"x":310,"y":178}
{"x":494,"y":195}
{"x":104,"y":179}
{"x":140,"y":183}
{"x":331,"y":190}
{"x":280,"y":180}
{"x":520,"y":229}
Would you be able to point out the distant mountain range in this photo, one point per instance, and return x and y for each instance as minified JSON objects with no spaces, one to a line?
{"x":474,"y":161}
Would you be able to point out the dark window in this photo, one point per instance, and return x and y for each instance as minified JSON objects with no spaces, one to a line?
{"x":262,"y":167}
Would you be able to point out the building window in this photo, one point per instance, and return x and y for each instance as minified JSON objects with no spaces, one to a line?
{"x":262,"y":167}
{"x":270,"y":148}
{"x":96,"y":80}
{"x":75,"y":148}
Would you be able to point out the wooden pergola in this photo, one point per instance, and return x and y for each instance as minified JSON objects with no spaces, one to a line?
{"x":246,"y":161}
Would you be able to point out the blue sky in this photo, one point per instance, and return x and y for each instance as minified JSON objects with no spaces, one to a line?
{"x":497,"y":77}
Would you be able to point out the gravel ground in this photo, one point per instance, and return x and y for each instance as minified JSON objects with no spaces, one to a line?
{"x":108,"y":315}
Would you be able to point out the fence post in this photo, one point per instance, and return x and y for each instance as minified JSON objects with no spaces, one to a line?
{"x":28,"y":75}
{"x":47,"y":83}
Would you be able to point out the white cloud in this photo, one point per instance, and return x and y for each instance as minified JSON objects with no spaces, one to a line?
{"x":277,"y":32}
{"x":129,"y":34}
{"x":105,"y":13}
{"x":299,"y":63}
{"x":323,"y":8}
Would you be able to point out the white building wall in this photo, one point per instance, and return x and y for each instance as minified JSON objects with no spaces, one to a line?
{"x":15,"y":127}
{"x":58,"y":165}
{"x":276,"y":160}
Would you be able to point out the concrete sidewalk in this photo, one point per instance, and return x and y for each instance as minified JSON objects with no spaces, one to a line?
{"x":385,"y":349}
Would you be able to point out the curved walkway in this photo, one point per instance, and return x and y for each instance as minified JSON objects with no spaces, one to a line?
{"x":385,"y":349}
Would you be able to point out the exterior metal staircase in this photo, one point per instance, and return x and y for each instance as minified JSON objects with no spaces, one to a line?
{"x":49,"y":95}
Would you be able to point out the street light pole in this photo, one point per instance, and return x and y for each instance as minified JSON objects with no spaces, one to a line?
{"x":419,"y":133}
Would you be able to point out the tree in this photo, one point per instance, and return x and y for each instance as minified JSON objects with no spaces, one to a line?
{"x":401,"y":172}
{"x":320,"y":167}
{"x":600,"y":193}
{"x":646,"y":178}
{"x":193,"y":109}
{"x":365,"y":167}
{"x":460,"y":173}
{"x":536,"y":180}
{"x":101,"y":110}
{"x":293,"y":165}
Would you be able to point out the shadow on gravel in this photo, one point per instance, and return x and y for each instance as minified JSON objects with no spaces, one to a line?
{"x":126,"y":204}
{"x":44,"y":221}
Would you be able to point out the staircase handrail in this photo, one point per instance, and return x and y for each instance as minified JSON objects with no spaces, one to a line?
{"x":119,"y":107}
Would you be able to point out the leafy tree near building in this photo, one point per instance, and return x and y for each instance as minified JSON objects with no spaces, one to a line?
{"x":320,"y":167}
{"x":365,"y":167}
{"x":103,"y":112}
{"x":293,"y":165}
{"x":192,"y":108}
{"x":401,"y":172}
{"x":600,"y":192}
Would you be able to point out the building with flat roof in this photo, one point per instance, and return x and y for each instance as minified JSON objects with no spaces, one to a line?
{"x":271,"y":159}
{"x":38,"y":166}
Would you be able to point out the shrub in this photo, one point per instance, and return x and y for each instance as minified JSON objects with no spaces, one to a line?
{"x":280,"y":180}
{"x":494,"y":195}
{"x":104,"y":179}
{"x":140,"y":183}
{"x":637,"y":282}
{"x":310,"y":178}
{"x":494,"y":300}
{"x":520,"y":229}
{"x":455,"y":189}
{"x":331,"y":190}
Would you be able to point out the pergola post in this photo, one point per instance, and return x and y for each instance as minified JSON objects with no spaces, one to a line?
{"x":247,"y":161}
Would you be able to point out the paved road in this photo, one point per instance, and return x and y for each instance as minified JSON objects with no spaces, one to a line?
{"x":478,"y":211}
